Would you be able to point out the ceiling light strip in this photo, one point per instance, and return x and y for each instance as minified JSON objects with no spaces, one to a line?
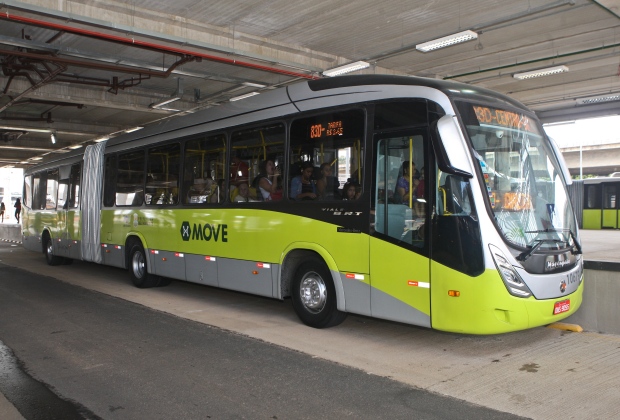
{"x":247,"y":95}
{"x":547,"y":71}
{"x":447,"y":41}
{"x":598,"y":99}
{"x":347,"y":68}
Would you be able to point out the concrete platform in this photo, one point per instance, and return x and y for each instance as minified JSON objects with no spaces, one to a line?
{"x":601,"y":245}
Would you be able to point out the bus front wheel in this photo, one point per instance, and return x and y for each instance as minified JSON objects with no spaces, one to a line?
{"x":138,"y":269}
{"x":314,"y":295}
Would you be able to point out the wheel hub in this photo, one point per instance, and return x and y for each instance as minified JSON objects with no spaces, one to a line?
{"x":137,"y":265}
{"x":313,"y":292}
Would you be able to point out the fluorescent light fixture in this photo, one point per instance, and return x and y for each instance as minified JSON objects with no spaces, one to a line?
{"x":100,"y":139}
{"x":347,"y":68}
{"x":167,"y":101}
{"x":131,"y":130}
{"x":33,"y":130}
{"x":598,"y":99}
{"x":53,"y":138}
{"x":75,"y":146}
{"x":446,"y":41}
{"x":256,"y":85}
{"x":247,"y":95}
{"x":541,"y":72}
{"x":36,"y":158}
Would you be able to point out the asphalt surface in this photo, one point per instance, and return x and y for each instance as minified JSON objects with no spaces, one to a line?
{"x":69,"y":352}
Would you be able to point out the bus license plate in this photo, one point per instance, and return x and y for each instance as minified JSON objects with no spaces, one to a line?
{"x":562,"y":306}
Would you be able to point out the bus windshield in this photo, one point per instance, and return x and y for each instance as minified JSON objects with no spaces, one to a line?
{"x":522,"y":177}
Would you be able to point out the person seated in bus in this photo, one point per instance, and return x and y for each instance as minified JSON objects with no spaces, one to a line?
{"x":402,"y":185}
{"x":302,"y":186}
{"x":351,"y":190}
{"x":267,"y":181}
{"x":419,"y":205}
{"x":239,"y":170}
{"x":327,"y":185}
{"x":243,"y":194}
{"x":199,"y":191}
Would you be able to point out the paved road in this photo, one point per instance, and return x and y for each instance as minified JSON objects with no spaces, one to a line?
{"x":114,"y":359}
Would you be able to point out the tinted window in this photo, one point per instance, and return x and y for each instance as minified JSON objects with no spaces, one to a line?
{"x":327,"y":154}
{"x":262,"y":148}
{"x":205,"y":159}
{"x":162,"y":180}
{"x":130,"y":179}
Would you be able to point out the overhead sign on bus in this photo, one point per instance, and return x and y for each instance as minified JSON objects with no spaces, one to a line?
{"x":502,"y":118}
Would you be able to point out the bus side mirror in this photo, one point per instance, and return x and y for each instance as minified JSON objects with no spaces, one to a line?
{"x":451,"y":147}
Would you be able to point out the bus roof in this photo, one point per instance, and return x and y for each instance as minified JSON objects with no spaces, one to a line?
{"x":289,"y":97}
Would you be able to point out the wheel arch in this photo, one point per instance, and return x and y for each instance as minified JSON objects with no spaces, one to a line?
{"x":298,"y":252}
{"x":46,"y":233}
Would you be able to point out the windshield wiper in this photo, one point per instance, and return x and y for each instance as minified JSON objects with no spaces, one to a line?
{"x":527,"y":254}
{"x":576,"y":242}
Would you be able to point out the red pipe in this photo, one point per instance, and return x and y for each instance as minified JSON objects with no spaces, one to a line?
{"x":150,"y":45}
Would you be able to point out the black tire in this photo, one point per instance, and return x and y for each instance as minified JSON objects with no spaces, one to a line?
{"x":48,"y":249}
{"x":138,"y":269}
{"x":314,"y":295}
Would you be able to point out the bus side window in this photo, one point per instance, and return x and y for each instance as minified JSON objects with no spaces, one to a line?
{"x":163,"y":167}
{"x":454,"y":196}
{"x":74,"y":187}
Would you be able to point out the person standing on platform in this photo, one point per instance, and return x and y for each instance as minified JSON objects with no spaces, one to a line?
{"x":18,"y":209}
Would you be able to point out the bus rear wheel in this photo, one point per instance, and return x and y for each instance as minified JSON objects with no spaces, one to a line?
{"x":138,"y":272}
{"x":314,"y":295}
{"x":49,"y":253}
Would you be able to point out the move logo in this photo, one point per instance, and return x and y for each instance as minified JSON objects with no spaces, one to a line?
{"x":206,"y":232}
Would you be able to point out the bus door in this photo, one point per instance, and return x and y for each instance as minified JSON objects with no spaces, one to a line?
{"x":592,"y":216}
{"x":399,"y":263}
{"x":73,"y":224}
{"x":62,"y":245}
{"x":610,"y":206}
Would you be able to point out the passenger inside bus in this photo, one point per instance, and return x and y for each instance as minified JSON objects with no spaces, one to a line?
{"x":268,"y":181}
{"x":303,"y":186}
{"x":351,"y":190}
{"x":327,"y":185}
{"x":199,"y":191}
{"x":419,"y":205}
{"x":402,"y":185}
{"x":239,"y":170}
{"x":243,"y":194}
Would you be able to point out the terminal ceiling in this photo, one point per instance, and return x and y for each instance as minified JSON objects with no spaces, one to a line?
{"x":85,"y":70}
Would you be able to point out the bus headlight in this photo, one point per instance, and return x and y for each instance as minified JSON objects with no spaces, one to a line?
{"x":513,"y":282}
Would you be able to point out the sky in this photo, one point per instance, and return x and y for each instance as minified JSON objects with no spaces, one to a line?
{"x":586,"y":132}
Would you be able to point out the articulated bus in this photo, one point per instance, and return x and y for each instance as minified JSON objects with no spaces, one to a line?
{"x":596,"y":200}
{"x":426,"y":202}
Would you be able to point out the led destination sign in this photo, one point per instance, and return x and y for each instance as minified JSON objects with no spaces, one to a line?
{"x":501,"y":118}
{"x":333,"y":128}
